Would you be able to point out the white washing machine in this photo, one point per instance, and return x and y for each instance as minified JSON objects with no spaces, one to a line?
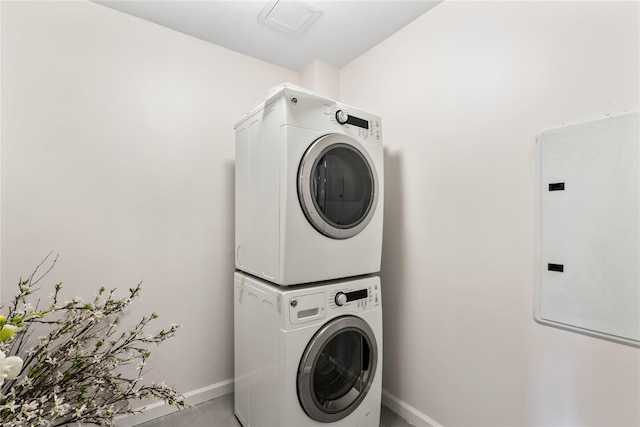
{"x":308,"y":355}
{"x":309,"y":189}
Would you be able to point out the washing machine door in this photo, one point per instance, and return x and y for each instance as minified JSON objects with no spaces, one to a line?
{"x":337,"y":186}
{"x":337,"y":369}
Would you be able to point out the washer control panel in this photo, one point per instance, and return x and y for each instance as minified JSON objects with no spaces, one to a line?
{"x":306,"y":307}
{"x":358,"y":298}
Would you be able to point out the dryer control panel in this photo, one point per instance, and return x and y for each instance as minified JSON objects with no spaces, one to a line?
{"x":343,"y":117}
{"x":357,"y":124}
{"x":355,"y":298}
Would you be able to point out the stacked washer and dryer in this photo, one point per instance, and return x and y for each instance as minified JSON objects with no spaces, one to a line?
{"x":308,"y":244}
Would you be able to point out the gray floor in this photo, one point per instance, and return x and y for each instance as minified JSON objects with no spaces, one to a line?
{"x":219,"y":413}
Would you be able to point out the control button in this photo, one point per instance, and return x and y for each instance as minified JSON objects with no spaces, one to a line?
{"x":341,"y":299}
{"x":342,"y":116}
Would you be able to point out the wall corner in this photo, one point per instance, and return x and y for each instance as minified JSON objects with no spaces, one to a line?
{"x":321,"y":78}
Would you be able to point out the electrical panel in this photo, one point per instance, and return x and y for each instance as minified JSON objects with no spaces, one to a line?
{"x":587,"y":234}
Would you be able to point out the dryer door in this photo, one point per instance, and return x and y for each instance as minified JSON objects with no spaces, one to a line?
{"x":337,"y":369}
{"x":337,"y":186}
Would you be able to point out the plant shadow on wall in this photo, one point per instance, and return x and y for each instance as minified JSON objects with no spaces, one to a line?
{"x":65,"y":362}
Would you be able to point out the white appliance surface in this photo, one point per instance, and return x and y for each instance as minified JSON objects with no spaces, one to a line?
{"x":276,"y":332}
{"x":309,"y":189}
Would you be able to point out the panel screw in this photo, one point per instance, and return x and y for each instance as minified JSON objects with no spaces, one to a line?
{"x":293,"y":302}
{"x":294,"y":100}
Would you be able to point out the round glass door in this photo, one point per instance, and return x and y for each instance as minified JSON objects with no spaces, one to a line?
{"x":337,"y":369}
{"x":337,"y":186}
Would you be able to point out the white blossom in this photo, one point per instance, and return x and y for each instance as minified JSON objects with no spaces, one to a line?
{"x":30,"y":410}
{"x":10,"y":367}
{"x":60,"y":408}
{"x":11,"y":405}
{"x":80,"y":410}
{"x":26,"y":382}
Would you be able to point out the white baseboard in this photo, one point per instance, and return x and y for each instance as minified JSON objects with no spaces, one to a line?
{"x":406,"y":411}
{"x":159,"y":409}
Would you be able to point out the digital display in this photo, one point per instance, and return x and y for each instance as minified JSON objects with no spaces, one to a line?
{"x":356,"y":295}
{"x":352,"y":120}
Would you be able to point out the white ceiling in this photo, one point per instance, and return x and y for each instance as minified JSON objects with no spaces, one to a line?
{"x":344,"y":30}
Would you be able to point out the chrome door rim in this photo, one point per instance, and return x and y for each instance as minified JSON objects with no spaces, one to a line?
{"x":309,"y":359}
{"x":309,"y":161}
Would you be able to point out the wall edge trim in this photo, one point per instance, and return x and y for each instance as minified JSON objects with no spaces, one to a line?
{"x":159,"y":409}
{"x":406,"y":411}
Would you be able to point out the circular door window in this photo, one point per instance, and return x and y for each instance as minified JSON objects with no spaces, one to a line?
{"x":337,"y":186}
{"x":337,"y":369}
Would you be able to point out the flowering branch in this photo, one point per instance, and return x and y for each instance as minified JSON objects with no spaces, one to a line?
{"x":73,"y":372}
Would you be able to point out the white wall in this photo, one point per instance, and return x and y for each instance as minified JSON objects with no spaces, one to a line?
{"x":462,"y":92}
{"x":118,"y":154}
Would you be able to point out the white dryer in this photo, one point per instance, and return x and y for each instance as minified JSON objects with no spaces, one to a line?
{"x":308,"y":355}
{"x":309,"y":189}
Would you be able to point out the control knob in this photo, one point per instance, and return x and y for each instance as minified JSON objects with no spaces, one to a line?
{"x":341,"y":299}
{"x":342,"y":116}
